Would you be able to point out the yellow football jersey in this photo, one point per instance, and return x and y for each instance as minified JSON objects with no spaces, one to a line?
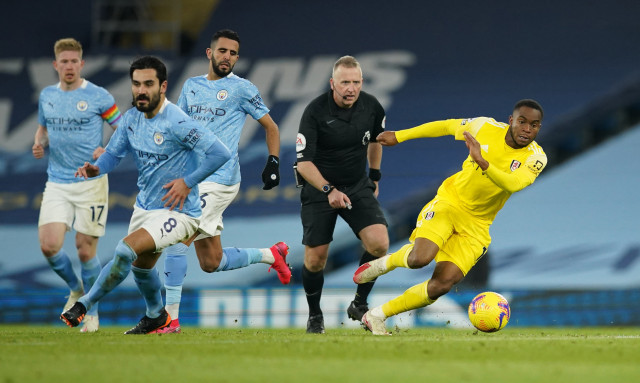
{"x":484,"y":193}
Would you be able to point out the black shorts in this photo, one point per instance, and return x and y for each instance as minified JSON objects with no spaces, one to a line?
{"x":319,"y":218}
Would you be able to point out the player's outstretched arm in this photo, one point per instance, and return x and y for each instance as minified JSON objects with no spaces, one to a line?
{"x":387,"y":138}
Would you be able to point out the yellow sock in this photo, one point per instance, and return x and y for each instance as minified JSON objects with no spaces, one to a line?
{"x":399,"y":258}
{"x":414,"y":298}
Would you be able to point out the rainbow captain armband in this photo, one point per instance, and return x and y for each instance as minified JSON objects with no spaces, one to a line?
{"x":111,"y":115}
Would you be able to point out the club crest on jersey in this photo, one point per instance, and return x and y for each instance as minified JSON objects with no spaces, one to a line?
{"x":222,"y":95}
{"x":428,"y":215}
{"x":515,"y":164}
{"x":82,"y":106}
{"x":158,"y":138}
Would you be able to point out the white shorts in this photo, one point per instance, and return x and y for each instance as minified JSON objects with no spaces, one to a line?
{"x":81,"y":205}
{"x":215,"y":199}
{"x":167,"y":227}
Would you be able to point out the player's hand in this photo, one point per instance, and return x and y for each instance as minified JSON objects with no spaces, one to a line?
{"x":87,"y":170}
{"x":177,"y":194}
{"x":475,"y":150}
{"x":37,"y":150}
{"x":271,"y":173}
{"x":339,"y":200}
{"x":377,"y":191}
{"x":98,"y":152}
{"x":387,"y":138}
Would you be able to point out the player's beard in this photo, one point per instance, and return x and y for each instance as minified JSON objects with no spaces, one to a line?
{"x":219,"y":72}
{"x":151,"y":104}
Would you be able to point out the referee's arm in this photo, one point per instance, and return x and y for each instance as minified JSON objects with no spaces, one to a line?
{"x":311,"y":174}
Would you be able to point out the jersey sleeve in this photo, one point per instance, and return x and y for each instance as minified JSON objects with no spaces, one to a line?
{"x":182,"y":99}
{"x":41,"y":119}
{"x":251,"y":102}
{"x":430,"y":129}
{"x":473,"y":126}
{"x":522,"y":177}
{"x":380,"y":119}
{"x":118,"y":144}
{"x":307,"y":137}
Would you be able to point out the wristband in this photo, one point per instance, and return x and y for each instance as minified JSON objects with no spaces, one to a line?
{"x":375,"y":174}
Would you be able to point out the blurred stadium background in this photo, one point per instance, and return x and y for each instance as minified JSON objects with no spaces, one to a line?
{"x":575,"y":261}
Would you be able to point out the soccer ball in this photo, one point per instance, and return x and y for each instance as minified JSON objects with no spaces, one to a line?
{"x":489,"y":312}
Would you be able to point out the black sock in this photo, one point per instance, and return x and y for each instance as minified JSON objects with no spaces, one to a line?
{"x":312,"y":283}
{"x":363,"y":290}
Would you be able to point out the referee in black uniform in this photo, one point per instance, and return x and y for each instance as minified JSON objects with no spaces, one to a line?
{"x":333,"y":147}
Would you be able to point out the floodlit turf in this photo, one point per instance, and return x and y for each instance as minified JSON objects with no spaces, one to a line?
{"x":57,"y":354}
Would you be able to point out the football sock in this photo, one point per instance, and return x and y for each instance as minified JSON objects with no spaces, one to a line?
{"x":415,"y":297}
{"x":149,"y":284}
{"x":235,"y":258}
{"x":399,"y":258}
{"x":175,"y":270}
{"x":89,"y":273}
{"x":312,"y":283}
{"x":363,"y":290}
{"x":112,"y":274}
{"x":173,"y":308}
{"x":267,"y":256}
{"x":61,"y":264}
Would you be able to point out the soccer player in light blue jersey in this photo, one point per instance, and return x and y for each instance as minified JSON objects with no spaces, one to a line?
{"x":220,"y":101}
{"x":173,"y":153}
{"x":71,"y":115}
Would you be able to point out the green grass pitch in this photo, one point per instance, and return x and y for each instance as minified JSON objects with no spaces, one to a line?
{"x":58,"y":354}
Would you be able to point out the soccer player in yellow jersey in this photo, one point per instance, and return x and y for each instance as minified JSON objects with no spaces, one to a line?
{"x":453,"y":228}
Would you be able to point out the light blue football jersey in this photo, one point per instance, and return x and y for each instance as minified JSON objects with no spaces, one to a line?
{"x":222,"y":107}
{"x":74,"y":121}
{"x":166,"y":147}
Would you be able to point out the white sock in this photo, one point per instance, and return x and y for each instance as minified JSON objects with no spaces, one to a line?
{"x":173,"y":310}
{"x":267,"y":256}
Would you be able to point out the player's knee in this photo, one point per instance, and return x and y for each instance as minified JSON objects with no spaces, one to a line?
{"x":50,"y":248}
{"x":314,"y":264}
{"x":379,"y":250}
{"x":125,"y":253}
{"x":85,"y":253}
{"x":210,"y":265}
{"x":210,"y":260}
{"x":49,"y":251}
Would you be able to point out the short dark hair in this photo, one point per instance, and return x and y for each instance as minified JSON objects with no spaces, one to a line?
{"x":226,"y":33}
{"x":150,"y":62}
{"x":533,"y":104}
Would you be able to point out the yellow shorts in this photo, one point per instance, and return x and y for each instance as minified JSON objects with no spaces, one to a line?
{"x":463,"y":239}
